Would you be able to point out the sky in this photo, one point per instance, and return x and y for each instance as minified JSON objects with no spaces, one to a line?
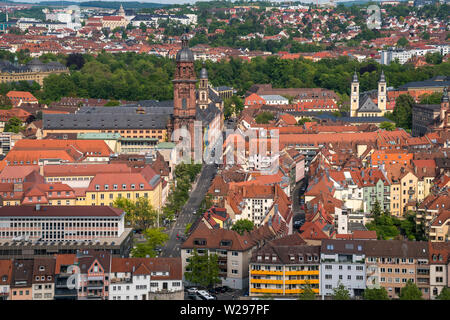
{"x":154,"y":1}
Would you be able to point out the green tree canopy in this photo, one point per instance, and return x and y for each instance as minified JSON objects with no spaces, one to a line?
{"x":402,"y":42}
{"x":264,"y":117}
{"x":341,"y":293}
{"x":410,"y":292}
{"x":402,"y":113}
{"x":203,"y":269}
{"x":389,"y":126}
{"x":5,"y":102}
{"x":242,"y":225}
{"x":154,"y":238}
{"x":376,"y":294}
{"x":445,"y":294}
{"x":307,"y":293}
{"x":14,"y":124}
{"x":140,"y":214}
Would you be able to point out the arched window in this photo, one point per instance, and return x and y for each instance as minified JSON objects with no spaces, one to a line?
{"x":183,"y":103}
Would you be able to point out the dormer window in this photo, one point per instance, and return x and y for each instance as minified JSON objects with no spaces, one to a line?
{"x":133,"y":187}
{"x":259,"y":258}
{"x":124,"y":186}
{"x":41,"y":268}
{"x":106,"y":187}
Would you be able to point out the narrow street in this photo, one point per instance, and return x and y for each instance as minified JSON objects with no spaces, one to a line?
{"x":187,"y":215}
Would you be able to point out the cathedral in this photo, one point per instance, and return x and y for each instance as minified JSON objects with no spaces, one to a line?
{"x":195,"y":104}
{"x":362,"y":105}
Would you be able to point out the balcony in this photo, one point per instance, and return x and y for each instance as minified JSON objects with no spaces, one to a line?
{"x":299,"y":291}
{"x":312,"y":281}
{"x":121,"y":280}
{"x":267,"y":272}
{"x":268,"y":281}
{"x":260,"y":290}
{"x":302,"y":273}
{"x":95,"y":285}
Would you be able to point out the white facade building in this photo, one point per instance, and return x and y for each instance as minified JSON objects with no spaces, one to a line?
{"x":342,"y":262}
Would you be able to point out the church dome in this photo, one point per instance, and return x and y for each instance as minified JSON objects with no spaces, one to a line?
{"x":203,"y":73}
{"x":185,"y":54}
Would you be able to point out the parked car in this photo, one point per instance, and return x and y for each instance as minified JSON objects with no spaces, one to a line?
{"x":205,"y":295}
{"x":192,"y":290}
{"x":194,"y":296}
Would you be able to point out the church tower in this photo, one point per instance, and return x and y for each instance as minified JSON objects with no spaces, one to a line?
{"x":382,"y":94}
{"x":445,"y":110}
{"x":203,"y":89}
{"x":121,"y":11}
{"x":354,"y":96}
{"x":184,"y":87}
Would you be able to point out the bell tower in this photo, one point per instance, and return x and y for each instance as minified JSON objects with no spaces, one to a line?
{"x":203,"y":89}
{"x":354,"y":96}
{"x":184,"y":94}
{"x":382,"y":95}
{"x":184,"y":101}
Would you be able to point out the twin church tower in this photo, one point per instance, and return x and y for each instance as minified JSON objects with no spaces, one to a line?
{"x":363,"y":105}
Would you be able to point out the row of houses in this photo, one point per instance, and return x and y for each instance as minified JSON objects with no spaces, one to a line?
{"x":91,"y":275}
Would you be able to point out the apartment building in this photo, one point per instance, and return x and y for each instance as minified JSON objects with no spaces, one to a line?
{"x":342,"y":262}
{"x":233,"y":250}
{"x":432,"y":213}
{"x":65,"y":273}
{"x":284,"y":267}
{"x":5,"y":279}
{"x":94,"y":280}
{"x":404,"y":188}
{"x":392,"y":263}
{"x":22,"y":279}
{"x":106,"y":187}
{"x":439,"y":267}
{"x":251,"y":201}
{"x":43,"y":279}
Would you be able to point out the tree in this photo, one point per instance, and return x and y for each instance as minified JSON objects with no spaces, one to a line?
{"x":203,"y":269}
{"x":76,"y":60}
{"x":445,"y":294}
{"x":341,"y":293}
{"x":5,"y":102}
{"x":14,"y":124}
{"x":243,"y":225}
{"x":434,"y":58}
{"x":389,"y":126}
{"x":433,"y":98}
{"x":187,"y":228}
{"x":402,"y":42}
{"x":112,"y":103}
{"x":139,"y":214}
{"x":376,"y":294}
{"x":410,"y":292}
{"x":307,"y":293}
{"x":264,"y":117}
{"x":143,"y":27}
{"x":402,"y":113}
{"x":154,"y":238}
{"x":376,"y":210}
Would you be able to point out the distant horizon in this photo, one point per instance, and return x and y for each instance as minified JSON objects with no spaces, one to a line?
{"x":185,"y":1}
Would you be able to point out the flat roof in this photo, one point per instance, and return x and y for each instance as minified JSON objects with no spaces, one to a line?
{"x":60,"y":211}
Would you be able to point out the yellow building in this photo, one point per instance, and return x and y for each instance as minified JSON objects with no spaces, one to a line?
{"x":284,"y":270}
{"x":107,"y":187}
{"x":404,"y":188}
